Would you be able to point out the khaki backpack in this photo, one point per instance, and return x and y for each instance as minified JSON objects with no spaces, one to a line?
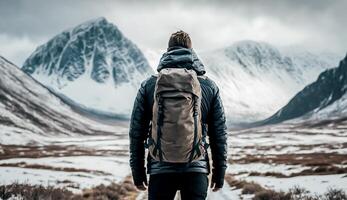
{"x":176,"y":131}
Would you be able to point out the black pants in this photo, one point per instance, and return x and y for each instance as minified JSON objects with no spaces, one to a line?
{"x":192,"y":186}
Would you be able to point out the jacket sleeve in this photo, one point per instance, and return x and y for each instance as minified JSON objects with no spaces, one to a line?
{"x":139,"y":126}
{"x":218,"y":139}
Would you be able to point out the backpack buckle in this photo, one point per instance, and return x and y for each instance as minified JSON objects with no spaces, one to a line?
{"x":149,"y":142}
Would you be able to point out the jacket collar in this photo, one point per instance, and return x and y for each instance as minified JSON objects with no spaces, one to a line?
{"x":180,"y":57}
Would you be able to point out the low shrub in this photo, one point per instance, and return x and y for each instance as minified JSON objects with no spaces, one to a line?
{"x":125,"y":191}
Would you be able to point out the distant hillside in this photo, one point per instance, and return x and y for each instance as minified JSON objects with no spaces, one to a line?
{"x":256,"y":79}
{"x":27,"y":109}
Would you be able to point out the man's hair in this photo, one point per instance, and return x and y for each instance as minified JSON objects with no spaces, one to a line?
{"x":180,"y":38}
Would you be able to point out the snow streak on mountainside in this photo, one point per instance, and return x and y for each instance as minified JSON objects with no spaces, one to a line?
{"x":322,"y":99}
{"x":256,"y":79}
{"x":27,"y":109}
{"x":93,"y":64}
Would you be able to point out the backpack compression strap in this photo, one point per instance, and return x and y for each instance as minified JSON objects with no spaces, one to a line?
{"x":196,"y":114}
{"x":157,"y":147}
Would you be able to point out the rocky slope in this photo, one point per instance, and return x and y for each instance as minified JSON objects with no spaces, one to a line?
{"x":324,"y":98}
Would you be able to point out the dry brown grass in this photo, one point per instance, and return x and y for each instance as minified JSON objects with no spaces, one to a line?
{"x":247,"y":187}
{"x":251,"y":188}
{"x":296,"y":193}
{"x":320,"y":170}
{"x":123,"y":191}
{"x":271,"y":195}
{"x":311,"y":159}
{"x":33,"y":151}
{"x":30,"y":192}
{"x":64,"y":169}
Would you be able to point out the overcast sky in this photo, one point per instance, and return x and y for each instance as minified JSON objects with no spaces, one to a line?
{"x":317,"y":25}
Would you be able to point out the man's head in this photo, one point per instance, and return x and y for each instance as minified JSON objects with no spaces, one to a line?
{"x":180,"y":38}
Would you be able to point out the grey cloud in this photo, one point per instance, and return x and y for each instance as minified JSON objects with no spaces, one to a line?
{"x":315,"y":24}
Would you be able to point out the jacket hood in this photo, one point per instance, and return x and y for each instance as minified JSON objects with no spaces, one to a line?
{"x":180,"y":57}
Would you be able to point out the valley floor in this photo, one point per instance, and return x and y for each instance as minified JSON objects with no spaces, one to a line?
{"x":276,"y":157}
{"x":72,"y":162}
{"x":285,"y":156}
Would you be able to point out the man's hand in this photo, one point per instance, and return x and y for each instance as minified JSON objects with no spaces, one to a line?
{"x":217,"y":181}
{"x":214,"y":187}
{"x":142,"y":187}
{"x":140,"y":179}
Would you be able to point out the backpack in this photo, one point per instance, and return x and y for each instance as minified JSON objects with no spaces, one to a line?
{"x":176,"y":129}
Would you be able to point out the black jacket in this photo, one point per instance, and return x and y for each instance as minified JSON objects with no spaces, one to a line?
{"x":213,"y":120}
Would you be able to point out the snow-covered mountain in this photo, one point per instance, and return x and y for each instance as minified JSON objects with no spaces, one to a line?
{"x":323,"y":99}
{"x":29,"y":109}
{"x":97,"y":67}
{"x":93,"y":64}
{"x":256,"y":78}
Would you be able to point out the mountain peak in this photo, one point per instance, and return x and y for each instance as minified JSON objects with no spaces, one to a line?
{"x":253,"y":48}
{"x":100,"y":20}
{"x":93,"y":53}
{"x":97,"y":22}
{"x":252,"y":43}
{"x":252,"y":53}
